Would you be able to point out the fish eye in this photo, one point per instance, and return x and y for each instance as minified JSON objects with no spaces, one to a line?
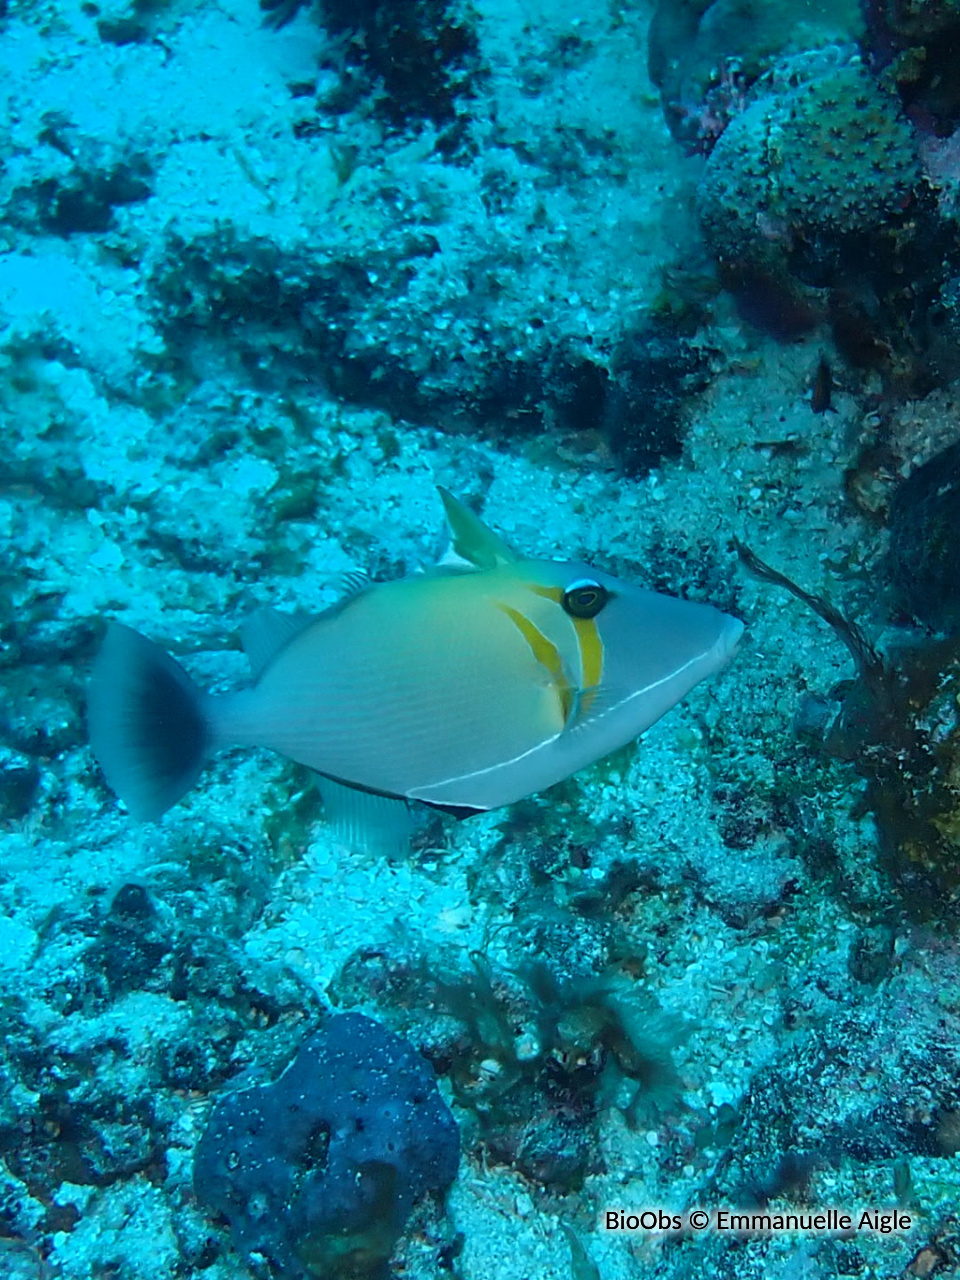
{"x":585,"y":598}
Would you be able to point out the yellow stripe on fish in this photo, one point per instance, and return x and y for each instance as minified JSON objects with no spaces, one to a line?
{"x":575,"y":694}
{"x":548,"y":655}
{"x":591,"y":663}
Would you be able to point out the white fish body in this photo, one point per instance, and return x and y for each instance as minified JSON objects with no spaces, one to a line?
{"x":465,"y":690}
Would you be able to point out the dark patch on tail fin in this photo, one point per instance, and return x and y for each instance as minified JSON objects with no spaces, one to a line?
{"x":148,"y":727}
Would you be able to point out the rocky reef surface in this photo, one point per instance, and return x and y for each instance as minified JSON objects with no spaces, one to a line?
{"x":643,"y":283}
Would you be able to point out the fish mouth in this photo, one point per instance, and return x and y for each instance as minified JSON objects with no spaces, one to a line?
{"x":730,"y":638}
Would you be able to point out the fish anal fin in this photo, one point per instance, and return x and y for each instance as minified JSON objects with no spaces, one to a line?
{"x":366,"y":820}
{"x":472,"y":540}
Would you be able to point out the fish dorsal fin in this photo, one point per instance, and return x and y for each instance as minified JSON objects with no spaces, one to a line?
{"x":265,"y":632}
{"x":364,"y":819}
{"x":472,"y":540}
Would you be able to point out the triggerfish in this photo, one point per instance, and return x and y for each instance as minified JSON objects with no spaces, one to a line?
{"x":465,"y":688}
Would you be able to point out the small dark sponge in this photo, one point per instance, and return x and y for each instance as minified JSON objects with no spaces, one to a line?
{"x":317,"y":1172}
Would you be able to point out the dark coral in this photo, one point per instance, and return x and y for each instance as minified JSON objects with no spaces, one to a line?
{"x":919,"y":43}
{"x":654,"y":377}
{"x":131,"y":946}
{"x":924,"y":554}
{"x":533,"y":1054}
{"x":331,"y":315}
{"x":19,"y":781}
{"x":423,"y":53}
{"x":898,"y":725}
{"x":86,"y":197}
{"x":87,"y":202}
{"x":703,"y":55}
{"x":317,"y":1173}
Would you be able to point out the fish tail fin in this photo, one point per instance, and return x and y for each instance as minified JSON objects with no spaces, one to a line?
{"x":150,"y":730}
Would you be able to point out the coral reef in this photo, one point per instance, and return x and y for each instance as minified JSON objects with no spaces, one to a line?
{"x":815,"y":206}
{"x":333,"y":314}
{"x":317,"y":1173}
{"x":898,"y":724}
{"x":821,"y":153}
{"x":804,"y":1121}
{"x":533,"y":1053}
{"x":705,"y":54}
{"x":868,"y":1091}
{"x":918,"y":43}
{"x":151,"y":1008}
{"x":263,"y":285}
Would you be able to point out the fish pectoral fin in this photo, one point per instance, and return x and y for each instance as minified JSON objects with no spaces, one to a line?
{"x":472,"y":540}
{"x":265,"y":632}
{"x":366,"y":820}
{"x":588,"y":705}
